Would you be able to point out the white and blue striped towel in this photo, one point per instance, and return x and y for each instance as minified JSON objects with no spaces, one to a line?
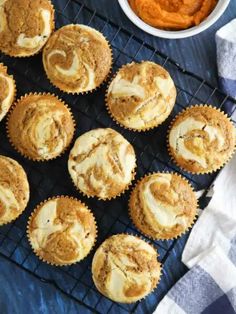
{"x":210,"y":253}
{"x":226,"y":57}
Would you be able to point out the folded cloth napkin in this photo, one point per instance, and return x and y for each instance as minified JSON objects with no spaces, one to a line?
{"x":226,"y":57}
{"x":210,"y":286}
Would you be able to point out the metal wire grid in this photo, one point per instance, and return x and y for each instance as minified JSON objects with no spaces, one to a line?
{"x":51,"y":178}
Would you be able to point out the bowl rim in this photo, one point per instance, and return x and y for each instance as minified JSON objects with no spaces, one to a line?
{"x":210,"y":20}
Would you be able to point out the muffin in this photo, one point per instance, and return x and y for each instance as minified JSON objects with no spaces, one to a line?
{"x":102,"y":163}
{"x":163,"y":205}
{"x":125,"y":268}
{"x":40,"y":126}
{"x":14,"y":190}
{"x":77,"y":58}
{"x":141,"y":96}
{"x":7,"y":91}
{"x":62,"y":231}
{"x":201,"y":139}
{"x":25,"y":26}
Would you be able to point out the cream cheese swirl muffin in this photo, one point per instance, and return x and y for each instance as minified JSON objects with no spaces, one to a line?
{"x":14,"y":190}
{"x":141,"y":96}
{"x":7,"y":91}
{"x":102,"y":163}
{"x":62,"y":231}
{"x":125,"y":268}
{"x":77,"y":58}
{"x":201,"y":139}
{"x":163,"y":205}
{"x":40,"y":126}
{"x":25,"y":26}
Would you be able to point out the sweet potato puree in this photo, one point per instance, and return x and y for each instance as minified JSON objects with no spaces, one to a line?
{"x":173,"y":14}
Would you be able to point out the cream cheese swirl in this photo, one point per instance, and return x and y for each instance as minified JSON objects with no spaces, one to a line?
{"x":45,"y":126}
{"x":164,"y":213}
{"x":14,"y":189}
{"x":102,"y":163}
{"x":179,"y":134}
{"x":25,"y":26}
{"x":125,"y":268}
{"x":37,"y":41}
{"x":201,"y":139}
{"x":163,"y":205}
{"x":141,"y":95}
{"x":62,"y":230}
{"x":77,"y":58}
{"x":7,"y":95}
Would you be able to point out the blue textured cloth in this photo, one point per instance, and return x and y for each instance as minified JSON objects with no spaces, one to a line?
{"x":210,"y":253}
{"x":226,"y":57}
{"x":209,"y":288}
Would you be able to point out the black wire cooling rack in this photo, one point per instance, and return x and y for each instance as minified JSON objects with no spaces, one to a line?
{"x":51,"y":178}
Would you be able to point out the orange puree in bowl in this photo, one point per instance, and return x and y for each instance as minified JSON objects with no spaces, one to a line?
{"x":173,"y":14}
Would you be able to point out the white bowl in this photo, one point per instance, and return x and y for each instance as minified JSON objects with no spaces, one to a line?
{"x":211,"y":19}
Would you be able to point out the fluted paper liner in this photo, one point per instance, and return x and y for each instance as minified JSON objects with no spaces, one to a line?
{"x":88,"y":91}
{"x":32,"y":54}
{"x":134,"y":220}
{"x":207,"y":171}
{"x":28,"y":191}
{"x":21,"y":152}
{"x":157,"y":255}
{"x":33,"y":215}
{"x":4,"y":67}
{"x":143,"y":129}
{"x":12,"y":220}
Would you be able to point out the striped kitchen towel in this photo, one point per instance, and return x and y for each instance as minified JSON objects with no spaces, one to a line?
{"x":209,"y":288}
{"x":210,"y":253}
{"x":226,"y":57}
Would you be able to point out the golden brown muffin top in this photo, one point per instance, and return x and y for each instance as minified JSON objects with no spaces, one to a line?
{"x":7,"y":91}
{"x":141,"y":95}
{"x":40,"y":126}
{"x":163,"y":205}
{"x":14,"y":189}
{"x":102,"y":163}
{"x":62,"y":230}
{"x":25,"y":26}
{"x":77,"y":58}
{"x":125,"y":268}
{"x":201,"y":139}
